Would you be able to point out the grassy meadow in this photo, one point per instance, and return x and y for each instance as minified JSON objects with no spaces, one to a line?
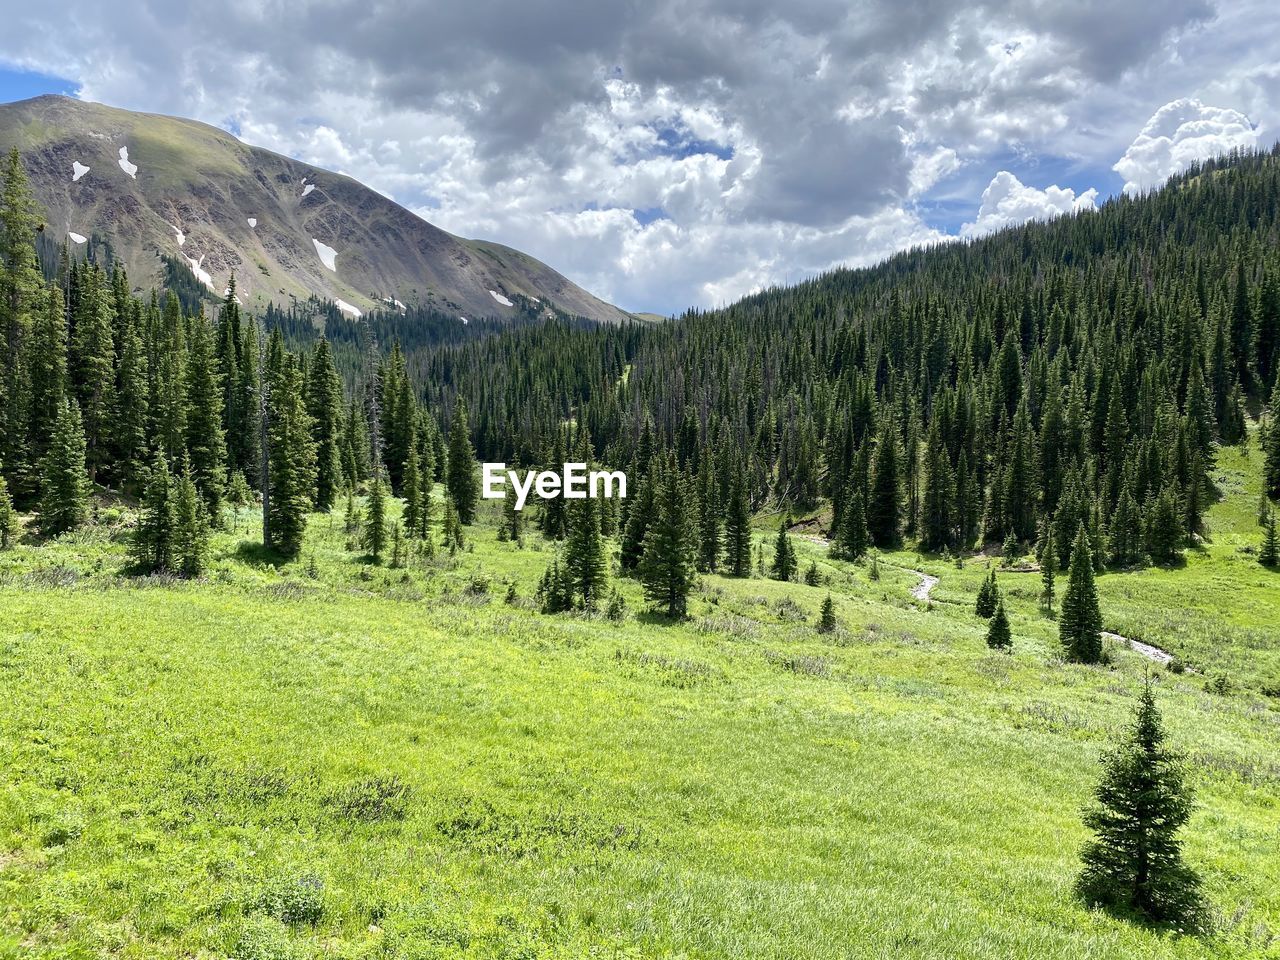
{"x":337,"y":759}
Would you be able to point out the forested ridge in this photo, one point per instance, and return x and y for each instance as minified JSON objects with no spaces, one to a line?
{"x":1081,"y":371}
{"x":1015,"y":388}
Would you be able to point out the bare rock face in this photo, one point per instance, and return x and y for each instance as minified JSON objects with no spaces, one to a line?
{"x":202,"y":197}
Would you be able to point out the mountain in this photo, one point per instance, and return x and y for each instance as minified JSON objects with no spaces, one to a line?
{"x":158,"y":187}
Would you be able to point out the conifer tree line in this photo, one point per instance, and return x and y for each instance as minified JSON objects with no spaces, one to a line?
{"x":1016,"y":388}
{"x":1010,"y":389}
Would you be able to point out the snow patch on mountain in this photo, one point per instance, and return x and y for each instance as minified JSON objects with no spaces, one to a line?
{"x":253,"y":223}
{"x":182,"y":237}
{"x":307,"y":187}
{"x":347,"y":308}
{"x":328,"y":256}
{"x":76,"y":238}
{"x":197,"y":267}
{"x":500,"y":298}
{"x":78,"y":170}
{"x":130,"y":168}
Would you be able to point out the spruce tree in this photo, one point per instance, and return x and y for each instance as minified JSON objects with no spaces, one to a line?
{"x":1164,"y":527}
{"x":1080,"y":622}
{"x":737,"y":531}
{"x":827,"y":618}
{"x":1269,"y":555}
{"x":999,"y":636}
{"x":453,"y":538}
{"x":988,"y":596}
{"x":94,"y":354}
{"x":641,"y":515}
{"x":324,"y":406}
{"x":411,"y":488}
{"x":154,"y":536}
{"x":584,"y":556}
{"x":667,"y":567}
{"x":852,"y":539}
{"x":64,"y":500}
{"x":290,"y":458}
{"x":709,"y":521}
{"x":1134,"y":864}
{"x":190,"y":527}
{"x":375,"y":529}
{"x":1048,"y":567}
{"x":206,"y":445}
{"x":784,"y":555}
{"x":461,"y":479}
{"x":1126,"y":540}
{"x":884,"y":510}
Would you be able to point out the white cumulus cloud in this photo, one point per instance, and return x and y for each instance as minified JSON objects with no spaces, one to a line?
{"x":1008,"y":202}
{"x":1179,"y":134}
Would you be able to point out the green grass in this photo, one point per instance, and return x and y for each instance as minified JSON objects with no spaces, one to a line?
{"x":396,"y":763}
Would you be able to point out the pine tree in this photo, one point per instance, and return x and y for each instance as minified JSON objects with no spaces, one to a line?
{"x":1126,"y":531}
{"x":154,"y":536}
{"x":206,"y":445}
{"x":938,"y":506}
{"x":64,"y":501}
{"x":453,"y":538}
{"x":884,"y":510}
{"x":667,"y":567}
{"x":1134,"y":863}
{"x":20,"y":299}
{"x":324,"y":406}
{"x":641,"y":515}
{"x":827,"y":618}
{"x":1048,"y":567}
{"x":94,"y":367}
{"x":999,"y":636}
{"x":988,"y":596}
{"x":291,"y":460}
{"x":584,"y":556}
{"x":375,"y":530}
{"x":461,"y":479}
{"x":411,"y":488}
{"x":852,"y":539}
{"x":737,"y":531}
{"x":46,"y":379}
{"x":709,"y":515}
{"x":1080,"y":623}
{"x":784,"y":555}
{"x":130,"y":419}
{"x":1164,"y":527}
{"x":190,"y":528}
{"x":1269,"y":555}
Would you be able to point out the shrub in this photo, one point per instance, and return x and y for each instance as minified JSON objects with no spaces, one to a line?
{"x":292,"y":900}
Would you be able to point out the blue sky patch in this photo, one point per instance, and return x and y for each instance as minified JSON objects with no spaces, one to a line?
{"x":16,"y":84}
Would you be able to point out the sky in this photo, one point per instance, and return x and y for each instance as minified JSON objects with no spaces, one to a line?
{"x":674,"y":153}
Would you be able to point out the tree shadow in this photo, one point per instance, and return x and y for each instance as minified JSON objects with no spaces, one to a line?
{"x":259,"y":555}
{"x":656,"y":618}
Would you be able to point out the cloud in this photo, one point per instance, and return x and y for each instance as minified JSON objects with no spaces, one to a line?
{"x":674,"y":152}
{"x":1178,"y":134}
{"x":1007,"y":202}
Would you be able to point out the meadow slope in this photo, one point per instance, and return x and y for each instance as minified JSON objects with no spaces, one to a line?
{"x":342,"y":760}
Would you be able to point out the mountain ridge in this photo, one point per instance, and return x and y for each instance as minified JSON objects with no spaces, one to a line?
{"x":157,"y":186}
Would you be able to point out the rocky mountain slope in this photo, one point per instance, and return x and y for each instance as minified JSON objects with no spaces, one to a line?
{"x":156,"y":186}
